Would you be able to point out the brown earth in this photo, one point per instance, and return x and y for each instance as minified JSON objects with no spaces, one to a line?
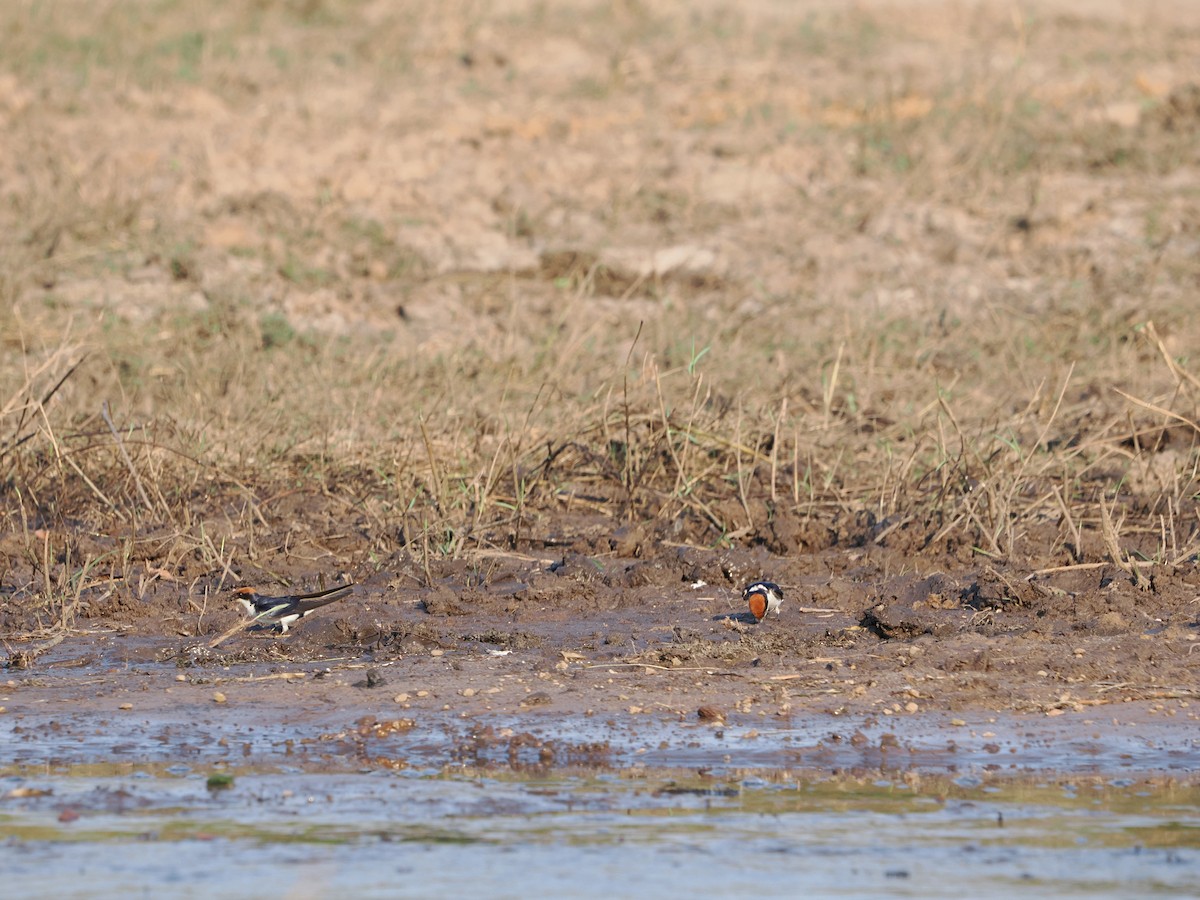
{"x":553,"y":329}
{"x":586,"y":628}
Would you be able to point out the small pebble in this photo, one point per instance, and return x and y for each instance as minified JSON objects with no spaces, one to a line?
{"x":218,"y":697}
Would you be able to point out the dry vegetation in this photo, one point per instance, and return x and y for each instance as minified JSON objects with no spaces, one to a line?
{"x":322,"y":285}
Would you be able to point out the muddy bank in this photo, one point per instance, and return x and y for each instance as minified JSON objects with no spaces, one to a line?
{"x":466,"y":709}
{"x":626,"y":619}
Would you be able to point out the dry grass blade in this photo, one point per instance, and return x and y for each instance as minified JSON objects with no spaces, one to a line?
{"x":783,"y":405}
{"x":1180,"y":373}
{"x":627,"y":462}
{"x":241,"y":626}
{"x":137,"y":480}
{"x":1072,"y":525}
{"x":1162,"y":411}
{"x":17,"y":402}
{"x":226,"y":635}
{"x":435,"y":470}
{"x":1111,"y":534}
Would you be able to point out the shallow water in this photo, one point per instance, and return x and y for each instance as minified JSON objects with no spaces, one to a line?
{"x":419,"y":834}
{"x":45,"y":740}
{"x":96,"y":801}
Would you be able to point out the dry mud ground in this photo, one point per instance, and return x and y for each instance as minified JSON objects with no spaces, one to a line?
{"x":553,"y":326}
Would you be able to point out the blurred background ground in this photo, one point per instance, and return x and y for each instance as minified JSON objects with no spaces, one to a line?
{"x":543,"y":313}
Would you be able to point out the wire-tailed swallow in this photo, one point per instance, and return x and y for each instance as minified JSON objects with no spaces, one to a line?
{"x":285,"y":610}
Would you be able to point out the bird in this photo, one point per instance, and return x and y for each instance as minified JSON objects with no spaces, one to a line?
{"x":763,"y":597}
{"x":285,"y":610}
